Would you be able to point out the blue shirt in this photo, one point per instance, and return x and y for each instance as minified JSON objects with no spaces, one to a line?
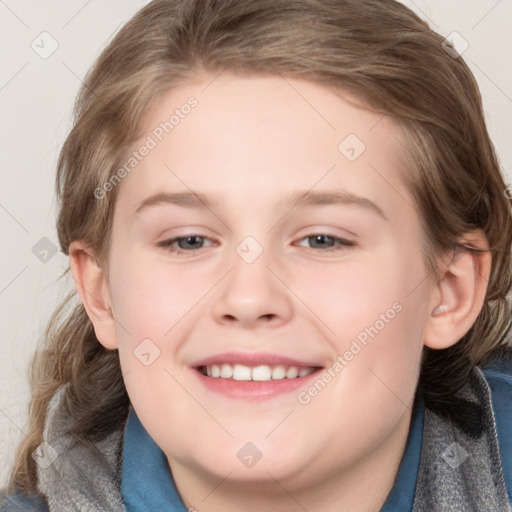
{"x":147,"y":484}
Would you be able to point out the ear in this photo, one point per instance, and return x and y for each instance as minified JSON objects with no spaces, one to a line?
{"x":459,"y":295}
{"x":92,"y":287}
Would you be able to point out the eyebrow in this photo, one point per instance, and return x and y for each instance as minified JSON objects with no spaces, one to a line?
{"x":295,"y":200}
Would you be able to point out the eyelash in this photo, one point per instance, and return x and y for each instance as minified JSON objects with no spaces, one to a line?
{"x":168,"y":244}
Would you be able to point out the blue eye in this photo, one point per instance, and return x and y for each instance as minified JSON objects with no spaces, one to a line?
{"x":189,"y":243}
{"x":182,"y":247}
{"x":321,"y":239}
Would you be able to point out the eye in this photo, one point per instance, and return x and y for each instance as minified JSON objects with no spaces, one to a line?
{"x":327,"y":242}
{"x":189,"y":243}
{"x":185,"y":243}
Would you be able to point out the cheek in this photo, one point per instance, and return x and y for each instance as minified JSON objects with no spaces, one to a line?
{"x":364,"y":292}
{"x":151,"y":299}
{"x":374,"y":314}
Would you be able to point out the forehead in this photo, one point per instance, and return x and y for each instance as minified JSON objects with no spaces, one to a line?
{"x":254,"y":140}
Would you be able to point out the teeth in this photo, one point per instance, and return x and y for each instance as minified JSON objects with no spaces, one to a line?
{"x":292,"y":372}
{"x":226,"y":371}
{"x":305,"y":371}
{"x":262,"y":372}
{"x":241,"y":372}
{"x":278,"y":372}
{"x":257,"y":373}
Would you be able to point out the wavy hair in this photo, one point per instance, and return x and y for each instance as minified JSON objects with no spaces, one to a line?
{"x":377,"y":50}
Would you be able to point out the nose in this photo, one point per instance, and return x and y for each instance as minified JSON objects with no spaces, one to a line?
{"x":253,"y":294}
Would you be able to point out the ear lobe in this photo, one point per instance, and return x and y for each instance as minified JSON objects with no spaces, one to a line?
{"x":459,"y":296}
{"x":92,"y":287}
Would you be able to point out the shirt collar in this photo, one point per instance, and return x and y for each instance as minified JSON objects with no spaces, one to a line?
{"x":401,"y":496}
{"x":146,"y":482}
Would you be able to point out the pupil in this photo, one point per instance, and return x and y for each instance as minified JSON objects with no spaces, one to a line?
{"x":321,"y":239}
{"x":189,"y":240}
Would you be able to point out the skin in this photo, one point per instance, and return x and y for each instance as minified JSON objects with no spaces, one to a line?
{"x":250,"y":142}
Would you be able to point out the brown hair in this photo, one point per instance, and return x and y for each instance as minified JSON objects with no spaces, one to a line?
{"x":379,"y":51}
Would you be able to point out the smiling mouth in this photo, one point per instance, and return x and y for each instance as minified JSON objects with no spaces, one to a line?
{"x":261,"y":373}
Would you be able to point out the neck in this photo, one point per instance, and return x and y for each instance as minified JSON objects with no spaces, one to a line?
{"x":361,"y":487}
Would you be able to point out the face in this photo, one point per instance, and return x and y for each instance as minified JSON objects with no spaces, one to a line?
{"x":265,"y":277}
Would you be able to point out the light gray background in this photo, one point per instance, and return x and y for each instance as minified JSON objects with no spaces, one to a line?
{"x":36,"y":97}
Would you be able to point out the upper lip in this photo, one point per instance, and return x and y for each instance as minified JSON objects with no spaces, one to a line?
{"x":254,"y":359}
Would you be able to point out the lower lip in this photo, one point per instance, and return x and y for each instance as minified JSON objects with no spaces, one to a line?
{"x":254,"y":390}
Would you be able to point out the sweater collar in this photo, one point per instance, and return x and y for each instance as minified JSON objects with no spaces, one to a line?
{"x":147,"y":484}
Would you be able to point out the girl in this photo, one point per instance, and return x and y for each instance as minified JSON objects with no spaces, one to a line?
{"x":290,"y":240}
